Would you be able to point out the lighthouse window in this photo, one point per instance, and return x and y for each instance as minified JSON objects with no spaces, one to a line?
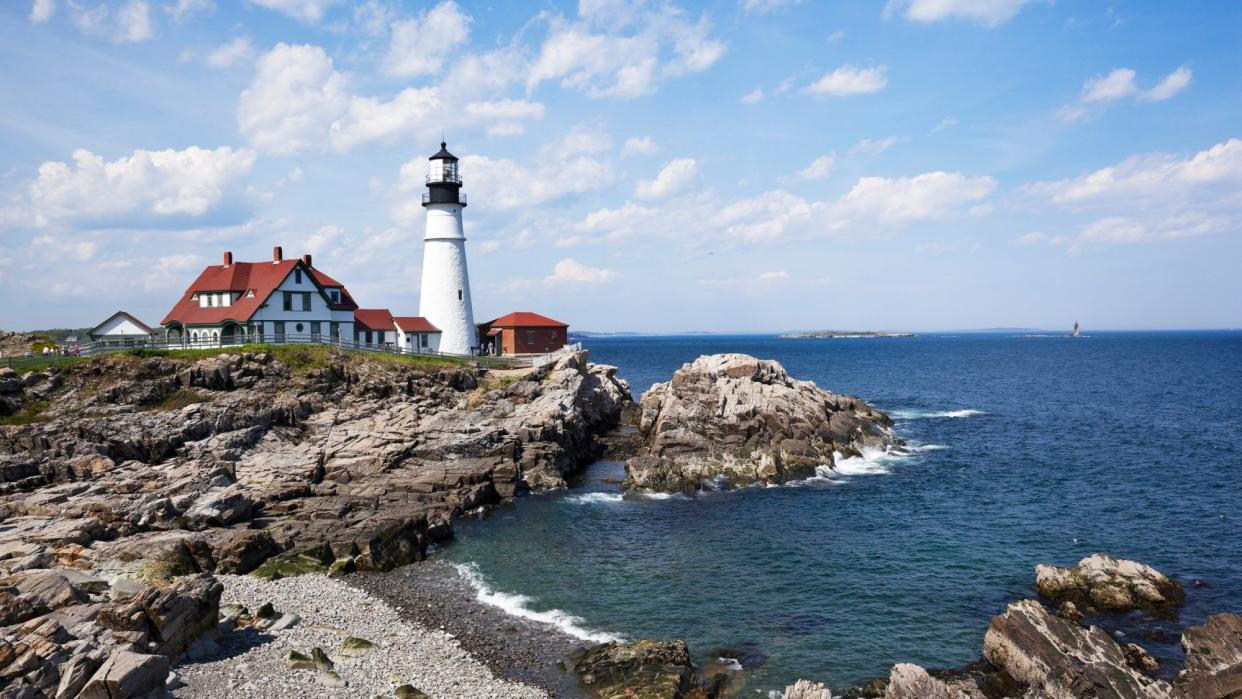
{"x":459,"y":294}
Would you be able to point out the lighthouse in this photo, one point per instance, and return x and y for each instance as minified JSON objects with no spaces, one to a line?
{"x":445,"y":296}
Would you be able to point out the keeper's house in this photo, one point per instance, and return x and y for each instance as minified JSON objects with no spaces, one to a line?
{"x":523,"y":332}
{"x":285,"y":301}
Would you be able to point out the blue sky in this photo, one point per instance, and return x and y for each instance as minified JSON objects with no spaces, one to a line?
{"x":736,"y":165}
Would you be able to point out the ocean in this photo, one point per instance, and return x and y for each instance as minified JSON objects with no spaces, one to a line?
{"x":1029,"y":449}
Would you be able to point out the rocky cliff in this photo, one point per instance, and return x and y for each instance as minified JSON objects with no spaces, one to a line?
{"x":732,"y":420}
{"x":134,"y":472}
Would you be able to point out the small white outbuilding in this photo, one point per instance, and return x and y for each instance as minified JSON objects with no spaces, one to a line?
{"x":122,"y":330}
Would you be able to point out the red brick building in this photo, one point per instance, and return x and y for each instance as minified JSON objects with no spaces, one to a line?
{"x":523,"y":332}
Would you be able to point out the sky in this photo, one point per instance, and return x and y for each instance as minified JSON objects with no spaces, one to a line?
{"x":727,"y":166}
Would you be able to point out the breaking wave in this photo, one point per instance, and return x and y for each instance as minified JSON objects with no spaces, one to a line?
{"x":518,"y":605}
{"x":921,"y":414}
{"x":594,"y":498}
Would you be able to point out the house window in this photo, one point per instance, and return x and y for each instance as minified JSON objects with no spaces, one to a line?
{"x":288,"y":297}
{"x":299,"y":328}
{"x":336,"y":296}
{"x":368,"y":337}
{"x":280,"y":330}
{"x":530,"y":337}
{"x":297,"y":276}
{"x":306,"y":301}
{"x":211,"y":299}
{"x":336,"y":331}
{"x":422,"y":340}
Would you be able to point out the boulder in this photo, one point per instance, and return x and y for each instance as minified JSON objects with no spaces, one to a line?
{"x":127,"y":674}
{"x":1105,"y":583}
{"x":806,"y":689}
{"x":1061,"y":658}
{"x":168,"y":620}
{"x":733,"y":420}
{"x":647,"y":669}
{"x":907,"y":681}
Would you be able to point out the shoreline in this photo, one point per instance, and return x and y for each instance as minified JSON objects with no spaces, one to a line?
{"x":433,"y":594}
{"x":253,"y":661}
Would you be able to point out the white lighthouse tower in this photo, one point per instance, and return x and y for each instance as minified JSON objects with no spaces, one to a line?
{"x":445,"y":296}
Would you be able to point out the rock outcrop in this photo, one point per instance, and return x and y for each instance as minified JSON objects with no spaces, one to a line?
{"x":806,"y":689}
{"x":732,"y":420}
{"x":1213,"y":659}
{"x":140,"y":476}
{"x":646,"y":669}
{"x":1110,"y":584}
{"x":1060,"y":658}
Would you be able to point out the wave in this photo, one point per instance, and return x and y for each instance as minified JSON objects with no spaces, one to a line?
{"x":594,"y":498}
{"x":872,"y":462}
{"x":518,"y":605}
{"x":920,"y":414}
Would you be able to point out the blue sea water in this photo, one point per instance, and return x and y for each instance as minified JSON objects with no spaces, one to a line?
{"x":1042,"y":449}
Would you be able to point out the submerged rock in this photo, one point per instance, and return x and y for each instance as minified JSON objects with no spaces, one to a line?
{"x":737,"y":420}
{"x":1105,"y":583}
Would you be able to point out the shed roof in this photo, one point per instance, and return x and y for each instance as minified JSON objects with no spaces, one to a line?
{"x":525,"y":319}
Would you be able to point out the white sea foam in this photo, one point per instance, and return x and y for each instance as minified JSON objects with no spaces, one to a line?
{"x":594,"y":498}
{"x":920,"y":414}
{"x":732,"y":663}
{"x":519,"y":606}
{"x":653,"y":495}
{"x":927,"y":447}
{"x":870,"y":462}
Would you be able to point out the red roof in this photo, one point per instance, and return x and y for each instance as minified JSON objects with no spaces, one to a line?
{"x":526,"y":319}
{"x":373,"y":318}
{"x":261,"y":278}
{"x":415,"y":324}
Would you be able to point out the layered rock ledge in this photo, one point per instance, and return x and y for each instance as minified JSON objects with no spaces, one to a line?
{"x":130,"y":475}
{"x":731,"y":420}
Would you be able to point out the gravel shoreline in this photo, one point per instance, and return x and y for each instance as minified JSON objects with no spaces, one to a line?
{"x":253,"y":663}
{"x":434,"y":595}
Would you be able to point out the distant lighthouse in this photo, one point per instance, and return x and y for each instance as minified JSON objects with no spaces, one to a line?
{"x":445,"y":296}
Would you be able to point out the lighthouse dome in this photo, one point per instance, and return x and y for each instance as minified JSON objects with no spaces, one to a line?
{"x":443,"y":153}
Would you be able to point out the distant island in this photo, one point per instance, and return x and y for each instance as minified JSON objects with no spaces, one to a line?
{"x":843,"y":334}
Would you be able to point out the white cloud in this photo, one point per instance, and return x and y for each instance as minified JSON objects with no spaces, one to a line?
{"x":570,"y":271}
{"x":185,"y":8}
{"x":296,"y":93}
{"x":762,"y":7}
{"x":849,"y":80}
{"x":836,"y":36}
{"x":299,"y":101}
{"x":987,"y":12}
{"x":672,"y":178}
{"x":945,"y":123}
{"x":1119,"y":84}
{"x":1152,"y":177}
{"x":622,"y":51}
{"x":304,"y":10}
{"x":1106,"y":88}
{"x":139,"y":190}
{"x":1153,"y":197}
{"x":1172,"y":84}
{"x":639,"y":146}
{"x":127,"y":23}
{"x":419,"y":46}
{"x":42,"y":10}
{"x":820,"y":168}
{"x":753,"y":97}
{"x":931,"y":195}
{"x":869,"y":146}
{"x":1030,"y":238}
{"x":230,"y":54}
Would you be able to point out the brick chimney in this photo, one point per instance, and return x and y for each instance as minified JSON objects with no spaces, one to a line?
{"x":278,"y":254}
{"x":228,"y":258}
{"x":306,"y":259}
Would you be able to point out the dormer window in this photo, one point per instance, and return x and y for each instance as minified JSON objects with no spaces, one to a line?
{"x":297,"y":276}
{"x":334,"y":295}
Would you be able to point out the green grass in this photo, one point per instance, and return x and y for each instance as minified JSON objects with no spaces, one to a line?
{"x":30,"y":413}
{"x":177,"y":400}
{"x":305,"y":357}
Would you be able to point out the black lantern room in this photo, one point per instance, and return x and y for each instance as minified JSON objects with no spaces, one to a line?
{"x":443,"y":181}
